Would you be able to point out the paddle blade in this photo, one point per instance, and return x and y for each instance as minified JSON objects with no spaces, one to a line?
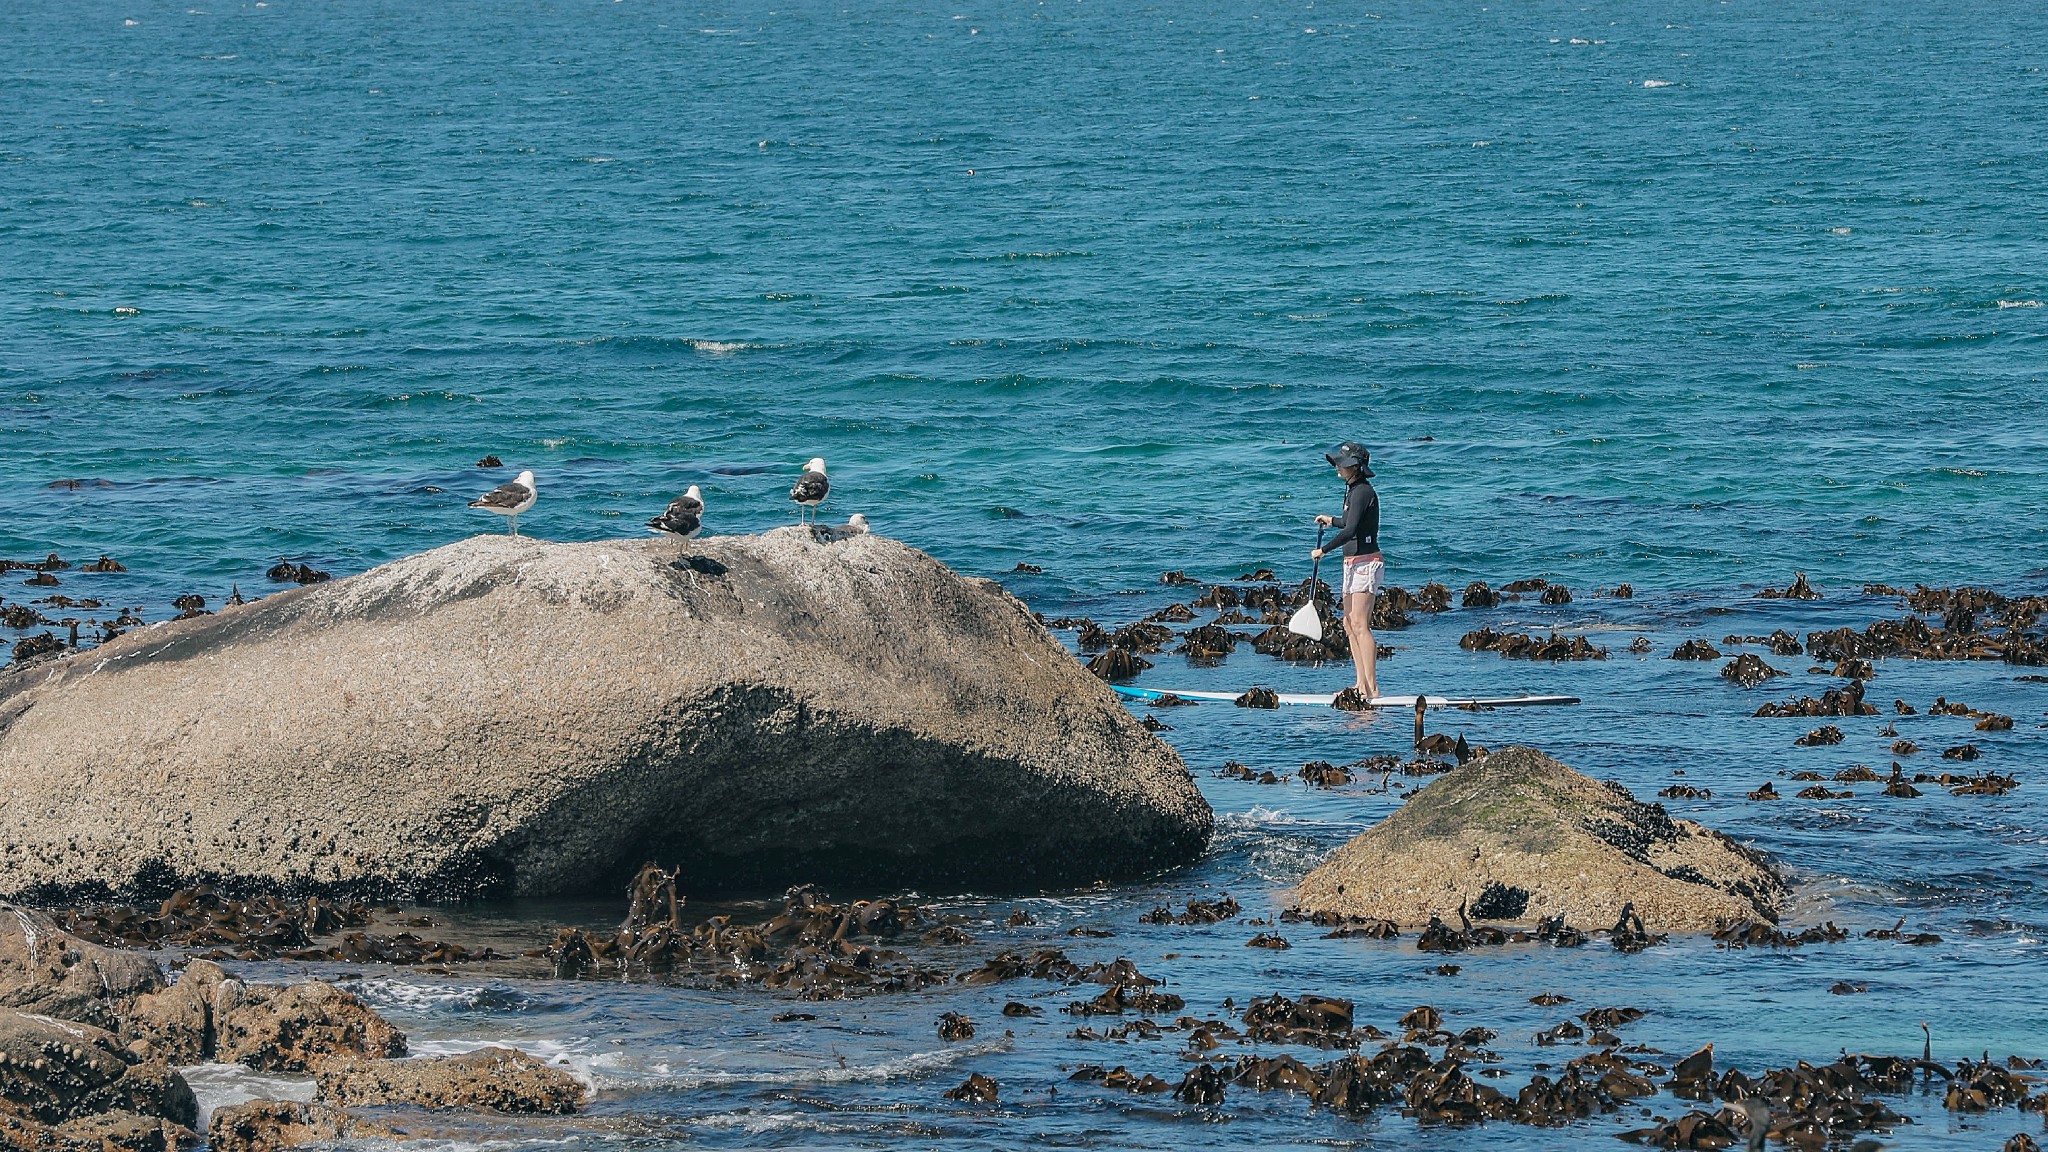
{"x":1305,"y":622}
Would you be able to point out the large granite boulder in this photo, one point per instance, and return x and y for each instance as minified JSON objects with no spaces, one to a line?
{"x":1517,"y":836}
{"x":508,"y":715}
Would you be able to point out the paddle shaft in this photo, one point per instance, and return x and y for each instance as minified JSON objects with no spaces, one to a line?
{"x":1315,"y":566}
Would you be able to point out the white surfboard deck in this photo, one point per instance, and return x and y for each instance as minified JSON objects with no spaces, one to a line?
{"x":1323,"y":699}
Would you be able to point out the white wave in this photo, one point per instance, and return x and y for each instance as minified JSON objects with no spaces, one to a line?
{"x":439,"y":1144}
{"x":907,"y":1067}
{"x":424,"y":996}
{"x":2019,"y":303}
{"x":759,"y":1123}
{"x":1260,"y":816}
{"x":222,"y":1085}
{"x":1658,"y":83}
{"x":719,"y":347}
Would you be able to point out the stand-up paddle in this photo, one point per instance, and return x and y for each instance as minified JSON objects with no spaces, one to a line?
{"x":1306,"y":621}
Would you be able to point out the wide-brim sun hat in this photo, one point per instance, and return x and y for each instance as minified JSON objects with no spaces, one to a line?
{"x":1351,"y":454}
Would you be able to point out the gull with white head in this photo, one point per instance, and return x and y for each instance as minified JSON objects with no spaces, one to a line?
{"x":509,"y":499}
{"x":810,"y":489}
{"x":683,"y":518}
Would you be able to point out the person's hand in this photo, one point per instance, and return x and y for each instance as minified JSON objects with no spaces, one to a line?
{"x":1315,"y":554}
{"x":1326,"y":521}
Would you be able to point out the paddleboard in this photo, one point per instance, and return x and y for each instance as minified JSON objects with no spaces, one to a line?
{"x":1323,"y":699}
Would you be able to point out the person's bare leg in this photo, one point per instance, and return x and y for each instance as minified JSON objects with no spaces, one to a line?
{"x":1364,"y":650}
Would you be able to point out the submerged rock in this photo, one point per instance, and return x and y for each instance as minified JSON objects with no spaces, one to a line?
{"x":512,"y":716}
{"x":1517,"y":820}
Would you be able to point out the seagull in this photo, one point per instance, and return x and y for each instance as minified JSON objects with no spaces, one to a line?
{"x":684,"y":517}
{"x":856,"y":525}
{"x":509,"y":499}
{"x":810,"y":488}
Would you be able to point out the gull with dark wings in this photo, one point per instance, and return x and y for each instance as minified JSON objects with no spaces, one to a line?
{"x":509,"y":499}
{"x":810,"y":488}
{"x":683,"y":518}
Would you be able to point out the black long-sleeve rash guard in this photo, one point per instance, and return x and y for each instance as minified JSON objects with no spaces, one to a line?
{"x":1360,"y":533}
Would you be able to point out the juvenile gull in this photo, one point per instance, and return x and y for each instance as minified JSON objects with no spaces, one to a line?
{"x":684,"y":516}
{"x":810,"y":488}
{"x":509,"y":499}
{"x":856,"y":525}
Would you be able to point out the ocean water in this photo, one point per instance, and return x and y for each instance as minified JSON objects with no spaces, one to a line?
{"x":1686,"y":295}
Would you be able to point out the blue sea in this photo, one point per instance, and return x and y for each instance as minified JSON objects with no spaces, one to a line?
{"x":1691,"y":296}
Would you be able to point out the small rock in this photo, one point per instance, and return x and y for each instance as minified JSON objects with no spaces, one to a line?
{"x":1748,"y":670}
{"x":976,"y":1089}
{"x":273,"y":1125}
{"x":297,"y":1028}
{"x":499,"y":1079}
{"x":1696,"y":649}
{"x":178,"y":1023}
{"x":1824,"y":735}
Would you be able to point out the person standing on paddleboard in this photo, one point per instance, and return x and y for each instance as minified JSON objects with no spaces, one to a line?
{"x":1358,"y":533}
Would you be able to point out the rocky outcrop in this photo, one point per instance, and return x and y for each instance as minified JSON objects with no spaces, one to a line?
{"x":120,"y":1132}
{"x":500,"y":1079}
{"x":178,"y":1023}
{"x":71,"y":1086}
{"x":207,"y":1015}
{"x":274,"y":1125}
{"x":296,"y":1028}
{"x":52,"y":1071}
{"x":1537,"y":839}
{"x":48,"y":971}
{"x":509,"y":715}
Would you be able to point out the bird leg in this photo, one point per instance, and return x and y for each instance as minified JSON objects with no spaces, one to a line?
{"x":515,"y":523}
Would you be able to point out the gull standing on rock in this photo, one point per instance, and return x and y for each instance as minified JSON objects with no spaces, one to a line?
{"x":509,"y":499}
{"x":683,"y":518}
{"x":810,"y":488}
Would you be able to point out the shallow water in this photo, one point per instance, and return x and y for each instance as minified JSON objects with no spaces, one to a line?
{"x":1686,"y":296}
